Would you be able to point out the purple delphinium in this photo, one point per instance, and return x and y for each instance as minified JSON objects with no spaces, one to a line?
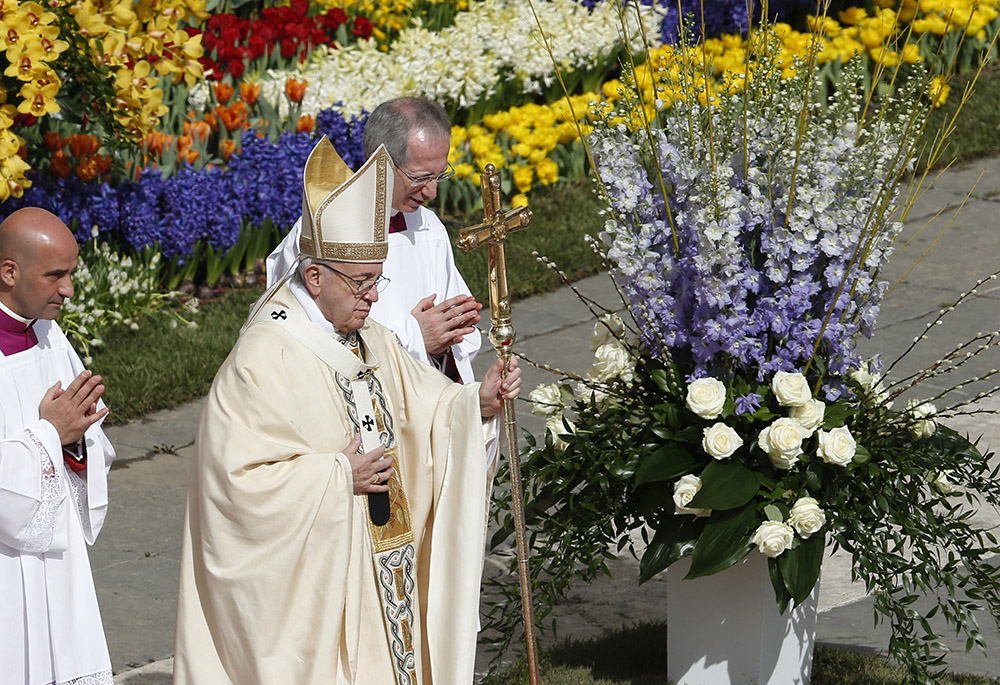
{"x":747,"y":404}
{"x":746,"y":274}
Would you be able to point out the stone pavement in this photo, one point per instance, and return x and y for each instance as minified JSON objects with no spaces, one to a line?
{"x":135,"y":560}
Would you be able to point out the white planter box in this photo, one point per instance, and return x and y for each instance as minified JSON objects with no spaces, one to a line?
{"x":726,"y":628}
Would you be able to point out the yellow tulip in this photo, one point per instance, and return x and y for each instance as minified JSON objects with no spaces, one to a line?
{"x":519,"y":200}
{"x":548,"y":171}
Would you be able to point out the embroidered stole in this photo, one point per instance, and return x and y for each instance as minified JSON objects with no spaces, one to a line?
{"x":393,"y":551}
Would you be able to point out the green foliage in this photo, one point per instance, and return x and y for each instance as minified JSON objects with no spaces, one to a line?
{"x":611,"y":459}
{"x":113,"y":291}
{"x":164,"y":363}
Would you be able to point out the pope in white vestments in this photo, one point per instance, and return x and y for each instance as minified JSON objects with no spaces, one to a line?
{"x":290,"y":573}
{"x":52,"y":502}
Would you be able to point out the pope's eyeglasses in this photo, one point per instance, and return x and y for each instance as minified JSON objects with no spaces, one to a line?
{"x":421,"y":181}
{"x":361,"y":288}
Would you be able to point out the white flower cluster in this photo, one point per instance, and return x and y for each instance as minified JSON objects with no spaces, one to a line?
{"x":781,"y":441}
{"x":109,"y":290}
{"x":613,"y":361}
{"x":494,"y":43}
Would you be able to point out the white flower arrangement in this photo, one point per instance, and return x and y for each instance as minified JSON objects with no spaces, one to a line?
{"x":493,"y":44}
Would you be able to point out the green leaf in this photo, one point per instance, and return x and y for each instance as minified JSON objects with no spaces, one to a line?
{"x":836,"y":415}
{"x":659,"y":377}
{"x":773,"y":513}
{"x":861,"y":455}
{"x":669,"y":462}
{"x":725,"y":485}
{"x":724,"y":541}
{"x":778,"y":583}
{"x":673,"y":540}
{"x":800,"y":566}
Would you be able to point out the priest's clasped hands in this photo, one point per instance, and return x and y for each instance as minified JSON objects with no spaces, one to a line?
{"x":73,"y":410}
{"x":445,"y":324}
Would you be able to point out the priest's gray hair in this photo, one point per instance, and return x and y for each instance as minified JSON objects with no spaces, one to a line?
{"x":393,"y":121}
{"x":299,"y":277}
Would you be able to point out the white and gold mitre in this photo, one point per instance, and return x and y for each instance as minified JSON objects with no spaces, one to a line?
{"x":345,"y":215}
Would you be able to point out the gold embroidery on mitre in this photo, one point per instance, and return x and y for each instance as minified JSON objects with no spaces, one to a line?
{"x":357,"y":229}
{"x":371,"y":252}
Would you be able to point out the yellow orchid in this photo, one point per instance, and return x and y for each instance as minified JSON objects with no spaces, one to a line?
{"x":39,"y":97}
{"x":25,"y":60}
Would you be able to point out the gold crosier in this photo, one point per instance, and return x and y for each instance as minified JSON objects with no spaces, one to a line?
{"x":493,"y":232}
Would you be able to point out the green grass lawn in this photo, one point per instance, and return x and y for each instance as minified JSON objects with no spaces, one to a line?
{"x":623,"y":658}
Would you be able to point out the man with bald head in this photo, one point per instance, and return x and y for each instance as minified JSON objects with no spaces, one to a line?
{"x":54,"y":461}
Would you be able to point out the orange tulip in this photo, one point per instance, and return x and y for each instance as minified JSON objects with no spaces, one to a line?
{"x":306,"y":124}
{"x":234,"y":117}
{"x":295,"y":90}
{"x":82,"y":145}
{"x":250,"y":92}
{"x":212,"y":121}
{"x":86,"y":170}
{"x":190,"y":156}
{"x":223,"y":91}
{"x":60,"y":165}
{"x":103,"y":164}
{"x":226,"y":148}
{"x":53,"y":141}
{"x":198,"y":130}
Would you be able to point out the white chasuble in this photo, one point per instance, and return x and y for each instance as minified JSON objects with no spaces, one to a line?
{"x":283,"y":576}
{"x":48,"y":515}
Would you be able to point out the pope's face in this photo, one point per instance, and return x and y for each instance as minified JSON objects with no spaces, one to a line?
{"x":343,"y":302}
{"x":44,"y":279}
{"x":427,"y":156}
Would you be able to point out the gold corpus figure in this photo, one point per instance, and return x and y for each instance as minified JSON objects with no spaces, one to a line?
{"x":497,"y":225}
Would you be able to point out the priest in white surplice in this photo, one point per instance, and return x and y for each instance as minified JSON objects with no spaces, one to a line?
{"x":54,"y":461}
{"x":427,"y":303}
{"x":337,"y":510}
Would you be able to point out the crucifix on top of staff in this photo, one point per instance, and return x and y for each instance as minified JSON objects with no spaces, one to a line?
{"x":497,"y":225}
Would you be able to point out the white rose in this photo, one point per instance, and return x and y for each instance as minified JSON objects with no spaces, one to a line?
{"x":556,"y":425}
{"x":720,"y":441}
{"x":706,"y":397}
{"x":773,"y":537}
{"x":810,"y":415}
{"x":866,"y":380}
{"x":611,"y":360}
{"x":610,"y":328}
{"x":684,"y":491}
{"x":940,"y":481}
{"x":791,"y":389}
{"x":782,"y":441}
{"x":836,"y":446}
{"x":806,"y":517}
{"x":546,"y":400}
{"x":922,"y":414}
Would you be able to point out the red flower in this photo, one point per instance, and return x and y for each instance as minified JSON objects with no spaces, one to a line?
{"x":362,"y":28}
{"x":235,"y":68}
{"x":333,"y":19}
{"x":257,"y":46}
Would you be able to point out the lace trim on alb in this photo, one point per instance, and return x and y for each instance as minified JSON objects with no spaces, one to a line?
{"x":78,"y":487}
{"x":38,"y":534}
{"x":102,"y":678}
